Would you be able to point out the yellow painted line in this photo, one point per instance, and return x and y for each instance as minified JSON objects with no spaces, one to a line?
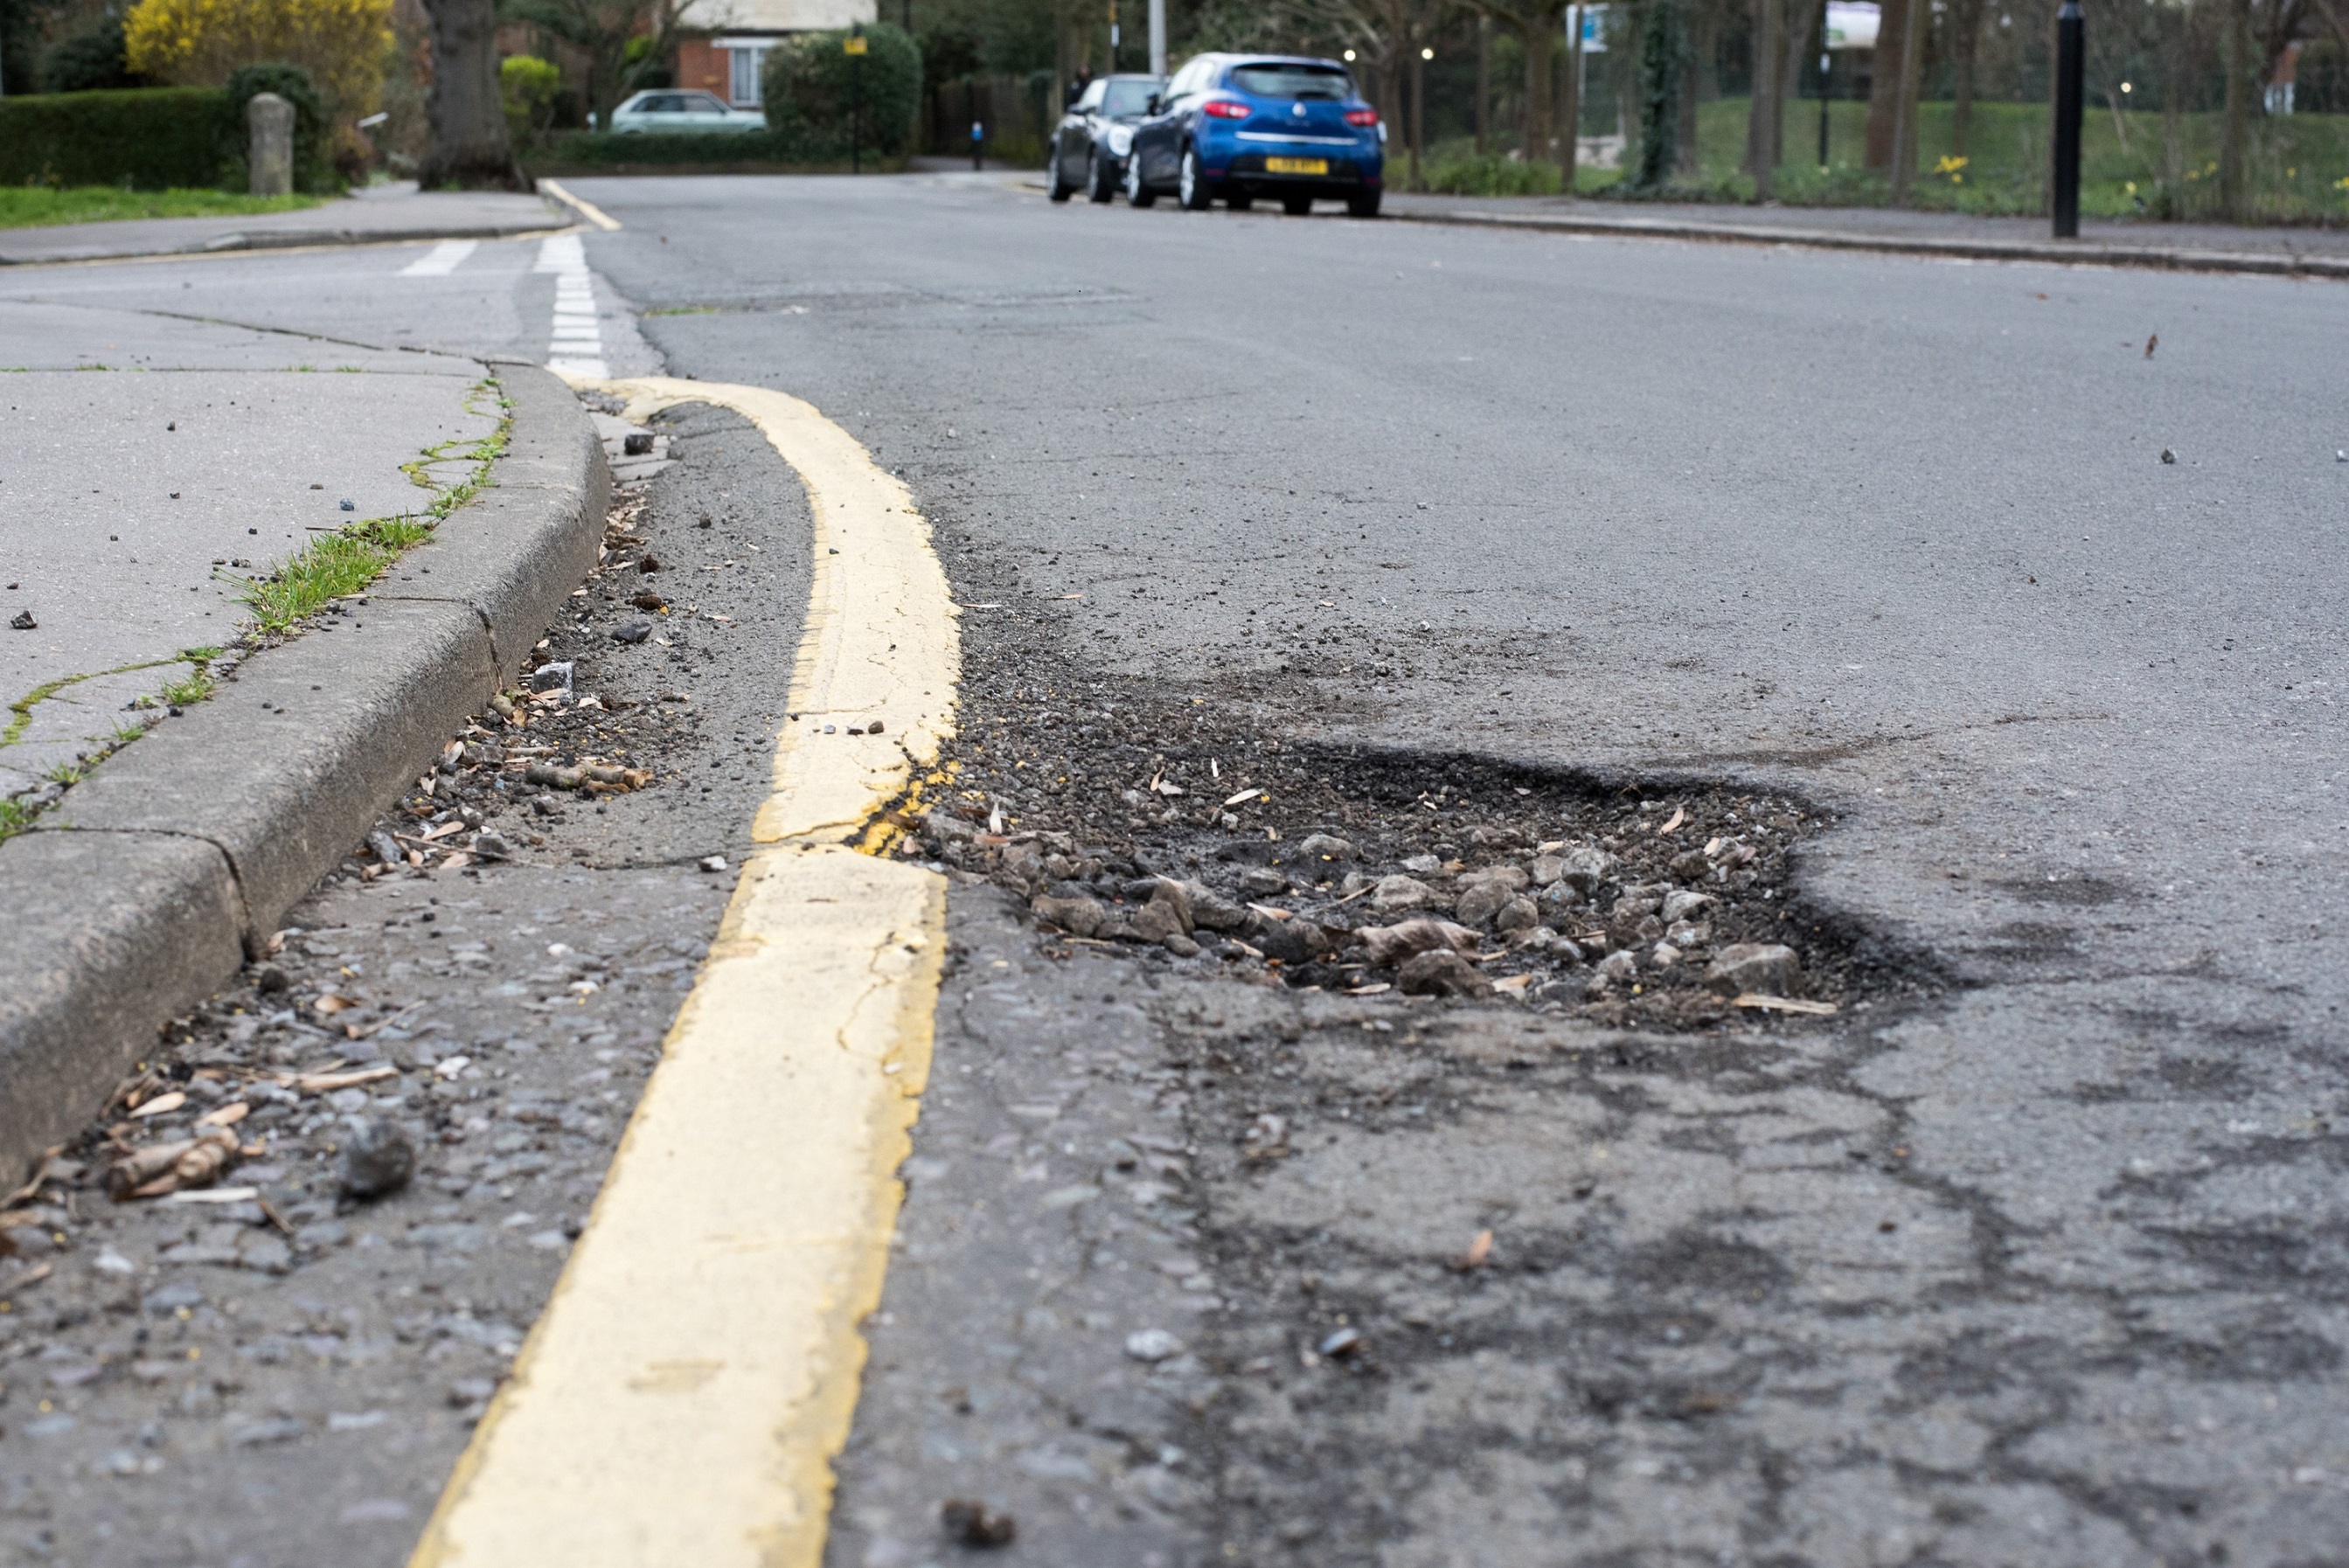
{"x":585,"y":209}
{"x":680,"y":1401}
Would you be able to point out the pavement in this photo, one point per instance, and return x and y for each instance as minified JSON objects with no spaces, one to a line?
{"x":1888,"y":226}
{"x":154,"y":467}
{"x":371,"y":215}
{"x":1979,"y":590}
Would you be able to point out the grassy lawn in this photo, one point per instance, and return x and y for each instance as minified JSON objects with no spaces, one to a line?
{"x":33,"y":206}
{"x":2298,"y":164}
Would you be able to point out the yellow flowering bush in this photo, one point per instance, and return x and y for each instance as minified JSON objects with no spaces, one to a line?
{"x":343,"y":43}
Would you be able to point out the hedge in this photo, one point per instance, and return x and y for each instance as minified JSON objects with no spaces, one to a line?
{"x":151,"y":138}
{"x":591,"y":149}
{"x":816,"y":91}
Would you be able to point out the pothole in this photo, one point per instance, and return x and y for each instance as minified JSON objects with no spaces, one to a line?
{"x":1166,"y":824}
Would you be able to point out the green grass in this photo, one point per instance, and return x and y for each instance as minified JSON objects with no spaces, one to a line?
{"x":1458,"y":172}
{"x":330,"y":567}
{"x":188,"y":689}
{"x":2297,"y":165}
{"x":38,"y":206}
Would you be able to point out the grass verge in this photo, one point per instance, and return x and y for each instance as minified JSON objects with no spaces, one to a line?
{"x":40,"y":206}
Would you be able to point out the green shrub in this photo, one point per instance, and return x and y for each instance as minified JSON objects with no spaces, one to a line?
{"x":528,"y":85}
{"x":588,"y":149}
{"x":1491,"y":175}
{"x":313,"y":167}
{"x":88,"y":62}
{"x":150,"y":139}
{"x":808,"y":82}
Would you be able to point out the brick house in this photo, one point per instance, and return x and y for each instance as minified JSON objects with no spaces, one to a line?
{"x":741,"y":32}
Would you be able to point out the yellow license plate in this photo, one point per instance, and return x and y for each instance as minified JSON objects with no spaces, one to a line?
{"x":1296,"y":166}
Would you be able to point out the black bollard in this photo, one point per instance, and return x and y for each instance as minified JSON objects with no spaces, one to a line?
{"x":2068,"y":70}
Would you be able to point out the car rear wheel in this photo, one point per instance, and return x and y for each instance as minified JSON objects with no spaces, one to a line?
{"x":1363,"y":206}
{"x":1137,"y":194}
{"x":1198,"y":195}
{"x":1059,"y":188}
{"x":1297,"y":206}
{"x":1100,"y":183}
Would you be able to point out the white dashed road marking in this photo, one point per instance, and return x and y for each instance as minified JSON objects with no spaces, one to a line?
{"x":576,"y":350}
{"x":441,"y":260}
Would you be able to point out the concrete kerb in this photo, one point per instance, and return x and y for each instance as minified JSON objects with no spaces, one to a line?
{"x":2066,"y":254}
{"x":164,"y":869}
{"x":559,"y":220}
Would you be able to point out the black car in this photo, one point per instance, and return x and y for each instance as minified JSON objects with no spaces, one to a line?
{"x":1090,"y":145}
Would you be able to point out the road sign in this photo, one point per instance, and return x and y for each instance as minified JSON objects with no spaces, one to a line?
{"x":1852,"y":24}
{"x":854,"y":43}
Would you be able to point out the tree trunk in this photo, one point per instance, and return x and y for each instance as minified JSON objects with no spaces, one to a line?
{"x":472,"y":147}
{"x":1798,"y":30}
{"x":2235,"y":124}
{"x":1535,"y":38}
{"x":1965,"y":35}
{"x":1483,"y":83}
{"x":1763,"y":111}
{"x":1919,"y":23}
{"x":1884,"y":86}
{"x":1663,"y":51}
{"x":1696,"y":75}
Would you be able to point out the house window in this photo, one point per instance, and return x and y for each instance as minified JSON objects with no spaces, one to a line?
{"x":742,"y":75}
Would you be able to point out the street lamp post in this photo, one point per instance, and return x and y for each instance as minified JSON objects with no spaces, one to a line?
{"x":1825,"y":59}
{"x":2069,"y":68}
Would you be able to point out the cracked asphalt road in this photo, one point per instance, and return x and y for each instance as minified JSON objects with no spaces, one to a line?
{"x":2039,"y":1260}
{"x":1895,"y":536}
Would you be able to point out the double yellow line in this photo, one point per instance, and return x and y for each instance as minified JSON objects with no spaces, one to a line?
{"x":680,"y":1401}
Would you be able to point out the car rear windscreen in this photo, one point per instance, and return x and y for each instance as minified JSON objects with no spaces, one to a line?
{"x":1127,"y":97}
{"x":1292,"y":81}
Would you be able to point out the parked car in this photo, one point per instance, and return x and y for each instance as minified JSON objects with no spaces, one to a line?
{"x":1236,"y":127}
{"x":667,"y":109}
{"x":1089,"y":144}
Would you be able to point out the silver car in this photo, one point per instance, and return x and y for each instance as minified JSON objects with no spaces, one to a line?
{"x":674,"y":108}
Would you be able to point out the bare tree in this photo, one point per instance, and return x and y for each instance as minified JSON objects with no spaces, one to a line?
{"x":604,"y":30}
{"x":1537,"y":24}
{"x":1884,"y":86}
{"x":1765,"y":114}
{"x":2234,"y":126}
{"x":1965,"y":39}
{"x":472,"y":146}
{"x":1911,"y":58}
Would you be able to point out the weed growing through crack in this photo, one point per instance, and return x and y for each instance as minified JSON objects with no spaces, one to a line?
{"x":188,"y":689}
{"x":327,"y":569}
{"x":336,"y":565}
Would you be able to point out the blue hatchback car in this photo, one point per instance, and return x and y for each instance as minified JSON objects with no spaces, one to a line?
{"x":1236,"y":127}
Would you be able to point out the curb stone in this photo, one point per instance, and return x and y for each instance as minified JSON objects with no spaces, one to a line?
{"x":2158,"y":258}
{"x":159,"y":875}
{"x":558,"y":219}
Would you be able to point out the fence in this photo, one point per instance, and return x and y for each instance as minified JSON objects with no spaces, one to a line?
{"x":1013,"y":109}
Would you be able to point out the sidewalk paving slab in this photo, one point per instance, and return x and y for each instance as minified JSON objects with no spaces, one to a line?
{"x":134,"y":506}
{"x":152,"y":880}
{"x":379,"y":215}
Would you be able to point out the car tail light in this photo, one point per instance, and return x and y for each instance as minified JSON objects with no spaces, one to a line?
{"x":1362,"y":116}
{"x":1224,"y":109}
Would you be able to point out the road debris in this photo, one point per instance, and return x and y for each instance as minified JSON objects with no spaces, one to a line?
{"x":970,"y":1524}
{"x":378,"y":1158}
